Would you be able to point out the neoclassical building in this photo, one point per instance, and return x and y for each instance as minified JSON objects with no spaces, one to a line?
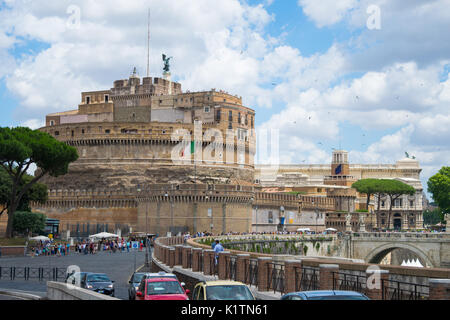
{"x":334,"y":181}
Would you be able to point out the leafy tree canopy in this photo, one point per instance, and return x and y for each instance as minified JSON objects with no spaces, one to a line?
{"x":20,"y":148}
{"x":37,"y":192}
{"x":29,"y":222}
{"x":439,"y":187}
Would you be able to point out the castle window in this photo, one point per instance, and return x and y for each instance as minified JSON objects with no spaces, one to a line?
{"x":56,"y":133}
{"x":82,"y":131}
{"x":106,"y":98}
{"x":270,"y":217}
{"x":73,"y":133}
{"x":107,"y":131}
{"x":218,"y":115}
{"x":207,"y":109}
{"x":411,"y":203}
{"x":52,"y":123}
{"x":88,"y":100}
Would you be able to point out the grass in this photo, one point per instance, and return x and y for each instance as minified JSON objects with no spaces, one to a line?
{"x":12,"y":242}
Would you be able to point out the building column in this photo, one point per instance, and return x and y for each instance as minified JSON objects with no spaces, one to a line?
{"x":171,"y":257}
{"x":224,"y":215}
{"x":222,"y":265}
{"x":292,"y":274}
{"x":242,"y":260}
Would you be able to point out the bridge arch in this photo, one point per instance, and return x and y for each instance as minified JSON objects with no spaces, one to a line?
{"x":377,"y":254}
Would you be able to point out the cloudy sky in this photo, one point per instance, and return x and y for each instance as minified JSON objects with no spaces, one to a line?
{"x":371,"y":77}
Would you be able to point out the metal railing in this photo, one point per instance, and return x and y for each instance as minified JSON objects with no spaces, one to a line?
{"x":349,"y":282}
{"x":29,"y":273}
{"x":230,"y":267}
{"x":306,"y":278}
{"x":398,"y":290}
{"x":251,"y":272}
{"x":276,"y":277}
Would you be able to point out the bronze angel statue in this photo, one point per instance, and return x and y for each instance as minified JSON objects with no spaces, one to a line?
{"x":166,"y":63}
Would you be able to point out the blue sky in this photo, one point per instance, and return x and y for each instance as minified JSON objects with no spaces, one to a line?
{"x":315,"y":71}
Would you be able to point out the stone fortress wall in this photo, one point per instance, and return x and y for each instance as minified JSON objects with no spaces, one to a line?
{"x":137,"y":135}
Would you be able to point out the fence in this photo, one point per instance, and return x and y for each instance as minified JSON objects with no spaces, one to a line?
{"x":349,"y":282}
{"x":251,"y":272}
{"x":398,"y":290}
{"x":267,"y":274}
{"x":306,"y":278}
{"x":29,"y":273}
{"x":276,"y":277}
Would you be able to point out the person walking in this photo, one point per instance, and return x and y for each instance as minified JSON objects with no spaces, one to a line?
{"x":217,"y":248}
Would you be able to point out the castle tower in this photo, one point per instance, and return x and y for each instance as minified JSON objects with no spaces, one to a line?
{"x":339,"y":163}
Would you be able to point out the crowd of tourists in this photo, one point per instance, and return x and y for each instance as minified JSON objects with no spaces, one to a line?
{"x":53,"y":248}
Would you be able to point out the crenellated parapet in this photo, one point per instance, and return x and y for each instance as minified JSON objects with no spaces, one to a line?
{"x":320,"y":203}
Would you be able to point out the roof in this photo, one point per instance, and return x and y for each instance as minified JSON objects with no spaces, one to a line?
{"x":224,"y":283}
{"x":65,"y":113}
{"x":329,"y":293}
{"x":160,"y":279}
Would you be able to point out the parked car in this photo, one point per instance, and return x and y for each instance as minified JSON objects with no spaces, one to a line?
{"x":75,"y":278}
{"x":324,"y":295}
{"x":98,"y":282}
{"x":134,"y":282}
{"x":222,"y":290}
{"x":161,"y":289}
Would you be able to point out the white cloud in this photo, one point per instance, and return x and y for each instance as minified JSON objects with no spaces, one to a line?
{"x":326,"y":12}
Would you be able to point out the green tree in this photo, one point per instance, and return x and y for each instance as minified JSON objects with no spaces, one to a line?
{"x":20,"y":148}
{"x":394,"y":189}
{"x":28,"y":222}
{"x":37,"y":192}
{"x":431,"y":217}
{"x":368,"y":187}
{"x":439,"y":187}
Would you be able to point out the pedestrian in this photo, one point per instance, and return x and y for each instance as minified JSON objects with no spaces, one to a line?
{"x":217,"y":248}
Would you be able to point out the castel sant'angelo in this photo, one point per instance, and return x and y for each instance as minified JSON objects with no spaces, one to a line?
{"x":154,"y":158}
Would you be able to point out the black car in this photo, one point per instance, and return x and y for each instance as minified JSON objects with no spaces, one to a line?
{"x":134,"y":284}
{"x":98,"y":282}
{"x":75,"y":278}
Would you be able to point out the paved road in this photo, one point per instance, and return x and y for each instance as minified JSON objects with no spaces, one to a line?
{"x":118,"y":266}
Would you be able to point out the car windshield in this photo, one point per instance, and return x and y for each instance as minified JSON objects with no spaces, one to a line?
{"x":138,"y":277}
{"x":338,"y":298}
{"x":228,"y":292}
{"x":164,"y":287}
{"x":98,"y":278}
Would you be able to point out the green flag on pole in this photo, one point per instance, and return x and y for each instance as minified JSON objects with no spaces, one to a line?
{"x":192,"y":147}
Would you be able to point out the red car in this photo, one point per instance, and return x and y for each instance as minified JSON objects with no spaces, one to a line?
{"x":161,"y":289}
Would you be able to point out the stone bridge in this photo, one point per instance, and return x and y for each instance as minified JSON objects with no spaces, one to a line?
{"x":431,"y":249}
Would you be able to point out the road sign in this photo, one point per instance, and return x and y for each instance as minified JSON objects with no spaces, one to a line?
{"x":135,"y":244}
